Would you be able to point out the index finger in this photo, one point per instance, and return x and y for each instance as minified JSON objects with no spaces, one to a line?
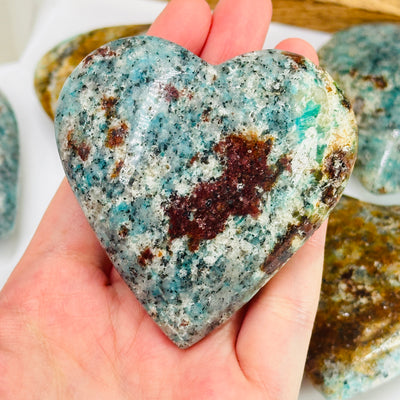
{"x":184,"y":22}
{"x":238,"y":27}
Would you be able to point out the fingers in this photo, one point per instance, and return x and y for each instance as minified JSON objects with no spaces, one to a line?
{"x":238,"y":27}
{"x":299,"y":46}
{"x":279,"y":322}
{"x":185,"y":22}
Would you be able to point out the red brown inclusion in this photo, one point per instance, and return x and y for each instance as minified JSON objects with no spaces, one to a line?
{"x":171,"y":92}
{"x":116,"y":136}
{"x":102,"y":51}
{"x":117,"y":168}
{"x":202,"y":214}
{"x":145,"y":256}
{"x":80,"y":148}
{"x":108,"y":105}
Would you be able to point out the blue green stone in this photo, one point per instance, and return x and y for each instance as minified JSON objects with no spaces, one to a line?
{"x":9,"y":159}
{"x":201,"y":181}
{"x":355,"y":344}
{"x":365,"y":61}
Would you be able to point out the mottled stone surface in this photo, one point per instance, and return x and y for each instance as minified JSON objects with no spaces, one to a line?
{"x":365,"y":61}
{"x":201,"y":181}
{"x":356,"y":340}
{"x":9,"y":158}
{"x":56,"y":65}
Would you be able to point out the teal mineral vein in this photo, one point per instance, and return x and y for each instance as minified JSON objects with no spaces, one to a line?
{"x":365,"y":61}
{"x":201,"y":181}
{"x":9,"y":161}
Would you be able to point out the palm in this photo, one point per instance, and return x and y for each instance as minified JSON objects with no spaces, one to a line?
{"x":93,"y":328}
{"x":67,"y":314}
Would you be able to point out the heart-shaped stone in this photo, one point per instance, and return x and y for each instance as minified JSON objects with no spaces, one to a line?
{"x":201,"y":181}
{"x":9,"y":163}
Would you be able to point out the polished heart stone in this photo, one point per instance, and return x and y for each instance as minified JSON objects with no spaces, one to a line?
{"x":201,"y":181}
{"x":365,"y":61}
{"x":55,"y":66}
{"x":9,"y":161}
{"x":356,"y":340}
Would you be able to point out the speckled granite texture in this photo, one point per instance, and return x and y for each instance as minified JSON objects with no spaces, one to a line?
{"x":365,"y":61}
{"x":9,"y":161}
{"x":201,"y":181}
{"x":55,"y":66}
{"x":356,"y":340}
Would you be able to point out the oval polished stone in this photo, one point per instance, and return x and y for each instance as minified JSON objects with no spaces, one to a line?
{"x":199,"y":180}
{"x":355,"y":344}
{"x":9,"y":161}
{"x":56,"y":65}
{"x":365,"y":61}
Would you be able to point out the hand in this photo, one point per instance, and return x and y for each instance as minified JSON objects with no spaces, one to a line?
{"x":70,"y":327}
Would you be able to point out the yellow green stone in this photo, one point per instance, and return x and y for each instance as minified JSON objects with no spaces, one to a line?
{"x":356,"y":340}
{"x":57,"y":64}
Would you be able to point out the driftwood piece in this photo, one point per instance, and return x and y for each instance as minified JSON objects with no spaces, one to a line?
{"x":332,"y":15}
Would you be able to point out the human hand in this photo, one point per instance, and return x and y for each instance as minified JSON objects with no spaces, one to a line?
{"x":71,"y":328}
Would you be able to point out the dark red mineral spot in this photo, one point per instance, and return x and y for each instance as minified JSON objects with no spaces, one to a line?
{"x":145,"y":256}
{"x":171,"y":93}
{"x":346,"y":103}
{"x":194,"y":159}
{"x":123,"y":231}
{"x":378,"y":81}
{"x":102,"y":51}
{"x":297,"y":58}
{"x":117,"y":169}
{"x":282,"y":250}
{"x":116,"y":136}
{"x":88,"y":59}
{"x":337,"y":166}
{"x":108,"y":105}
{"x":105,"y":52}
{"x":80,"y":148}
{"x":205,"y":116}
{"x":202,"y":214}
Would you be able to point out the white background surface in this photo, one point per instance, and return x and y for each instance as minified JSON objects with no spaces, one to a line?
{"x":16,"y":20}
{"x":40,"y":168}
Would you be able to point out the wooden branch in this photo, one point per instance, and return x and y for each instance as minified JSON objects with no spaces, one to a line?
{"x":385,"y":7}
{"x":332,"y":15}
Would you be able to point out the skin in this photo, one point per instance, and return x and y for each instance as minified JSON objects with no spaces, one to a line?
{"x":71,"y":329}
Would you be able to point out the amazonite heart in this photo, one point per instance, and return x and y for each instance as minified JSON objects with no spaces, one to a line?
{"x":201,"y":181}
